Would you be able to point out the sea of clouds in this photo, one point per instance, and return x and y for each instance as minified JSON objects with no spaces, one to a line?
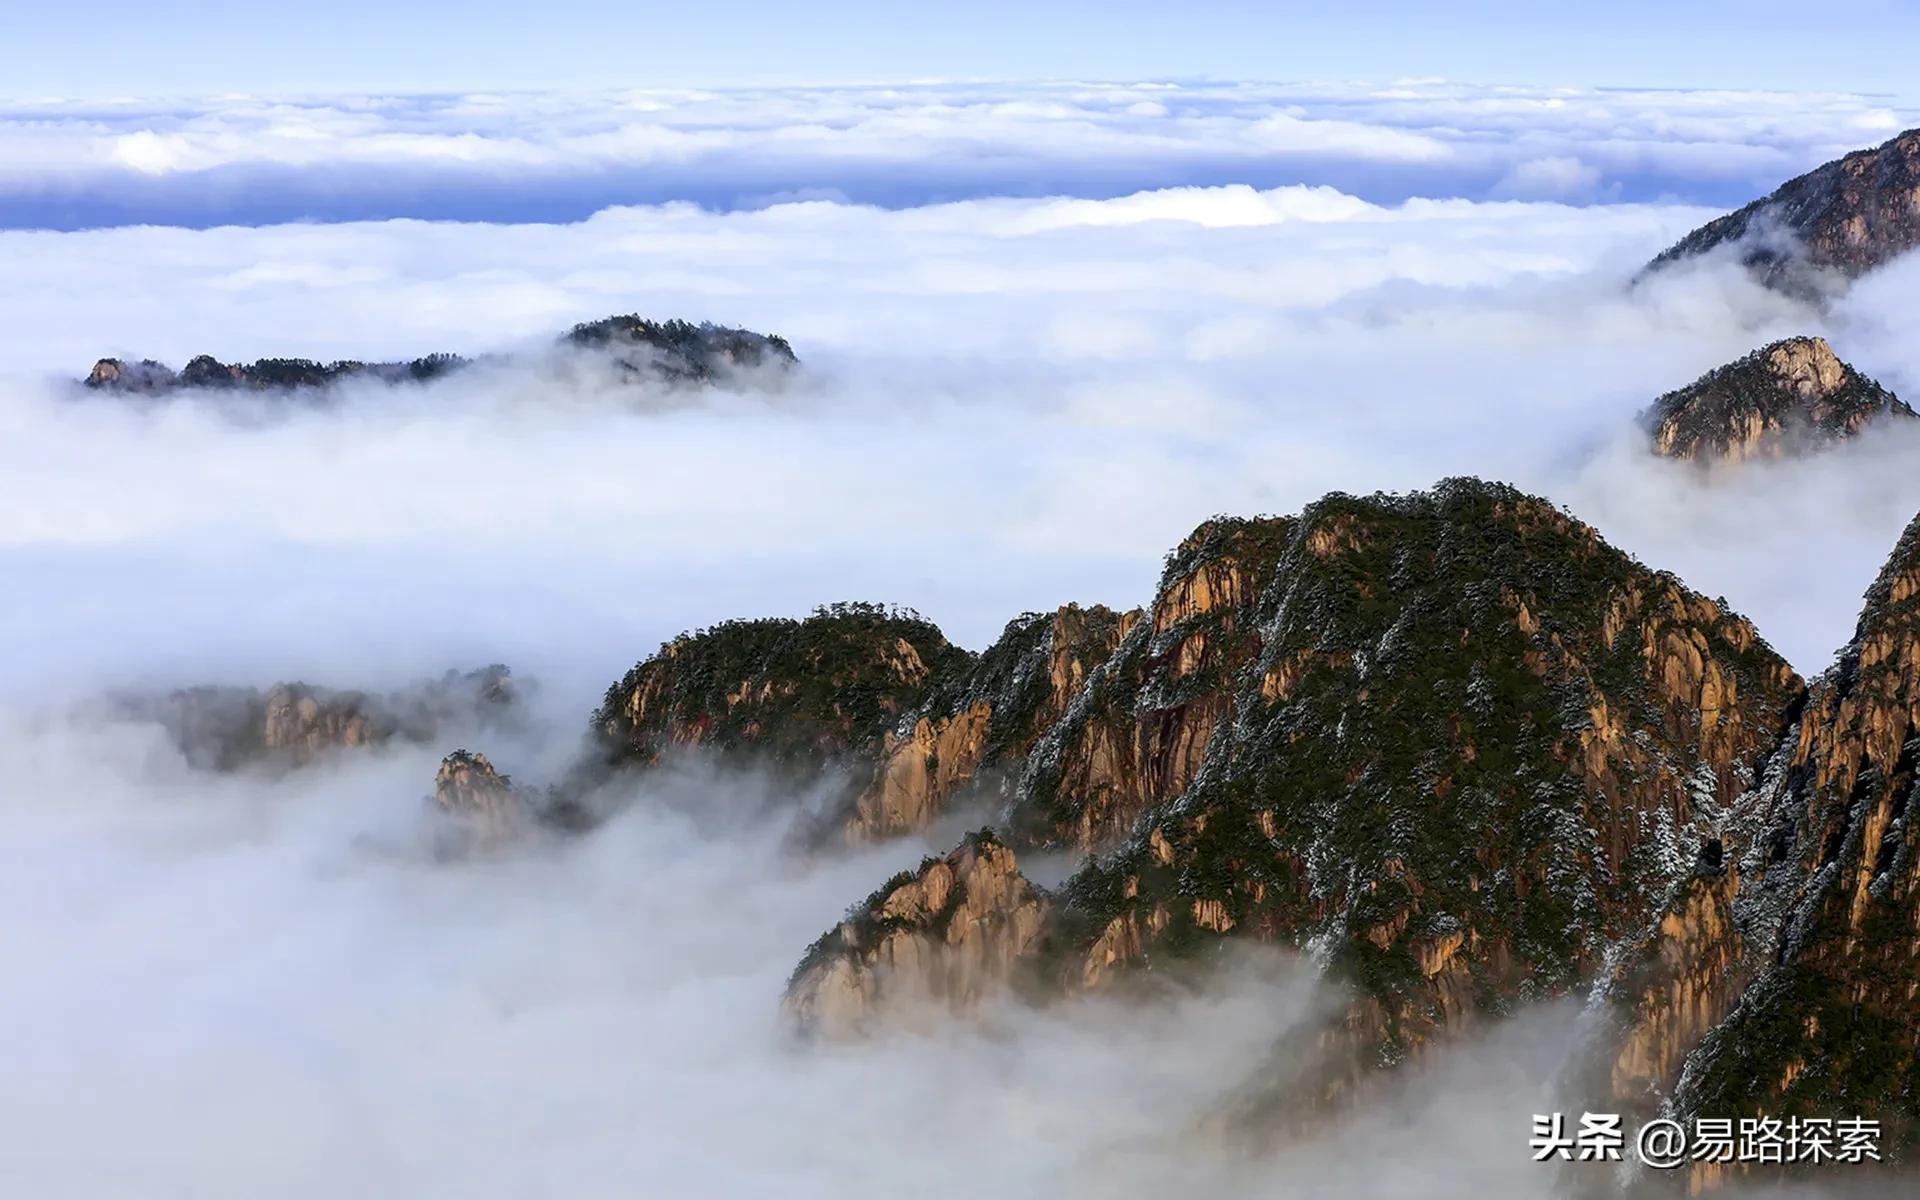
{"x":242,"y":986}
{"x":520,"y":157}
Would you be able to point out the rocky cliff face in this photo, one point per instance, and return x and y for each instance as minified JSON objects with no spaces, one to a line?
{"x":979,"y":727}
{"x":877,"y":696}
{"x":1451,"y":745}
{"x":1669,"y":989}
{"x":292,"y":724}
{"x":1790,"y":397}
{"x":1829,"y":901}
{"x":1458,"y":747}
{"x":1824,"y":228}
{"x":483,"y":805}
{"x":1070,"y":724}
{"x":1479,"y":758}
{"x":1138,"y":730}
{"x":931,"y":941}
{"x":667,"y":352}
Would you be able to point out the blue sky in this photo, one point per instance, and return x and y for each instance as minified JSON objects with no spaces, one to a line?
{"x":197,"y":47}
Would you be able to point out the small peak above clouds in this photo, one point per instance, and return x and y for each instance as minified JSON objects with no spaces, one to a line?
{"x":637,"y":350}
{"x":1791,"y":397}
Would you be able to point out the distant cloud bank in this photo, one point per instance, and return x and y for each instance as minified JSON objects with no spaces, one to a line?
{"x":545,"y":157}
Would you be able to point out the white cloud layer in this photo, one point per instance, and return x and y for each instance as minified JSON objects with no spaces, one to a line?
{"x":545,"y":156}
{"x":1007,"y":404}
{"x":224,"y":989}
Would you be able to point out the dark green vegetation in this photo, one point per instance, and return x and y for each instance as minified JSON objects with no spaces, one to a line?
{"x":151,"y":378}
{"x":679,"y":351}
{"x":791,"y":693}
{"x":845,"y":691}
{"x":669,"y":352}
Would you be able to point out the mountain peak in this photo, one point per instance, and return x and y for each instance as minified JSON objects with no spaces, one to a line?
{"x":1785,"y":398}
{"x":1831,"y":225}
{"x":483,"y":802}
{"x":1452,"y":741}
{"x":1807,"y":365}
